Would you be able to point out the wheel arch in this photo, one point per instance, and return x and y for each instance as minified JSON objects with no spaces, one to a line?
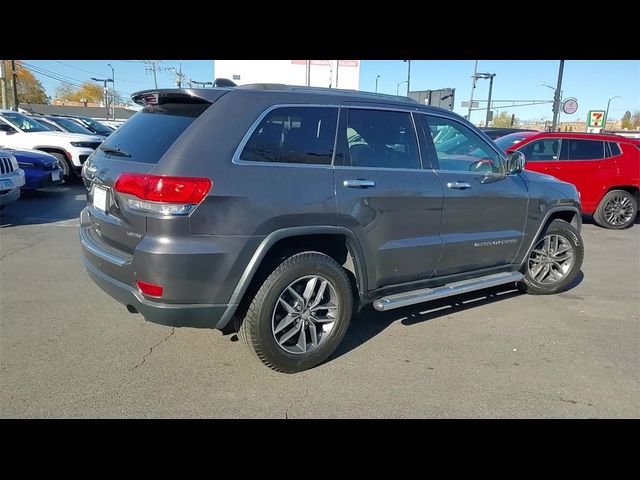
{"x":569,"y":214}
{"x":340,"y":243}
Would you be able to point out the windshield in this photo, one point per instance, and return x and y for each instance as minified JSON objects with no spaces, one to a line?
{"x":509,"y":140}
{"x":97,"y":126}
{"x":71,"y":126}
{"x":23,"y":122}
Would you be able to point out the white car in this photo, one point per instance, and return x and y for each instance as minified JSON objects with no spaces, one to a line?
{"x":72,"y":149}
{"x":11,"y":178}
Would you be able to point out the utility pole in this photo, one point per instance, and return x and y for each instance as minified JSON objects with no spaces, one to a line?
{"x":3,"y":85}
{"x":377,"y":83}
{"x":606,"y":115}
{"x":337,"y":68}
{"x":491,"y":75}
{"x":308,"y":73}
{"x":105,"y":90}
{"x":113,"y":87}
{"x":14,"y":81}
{"x":151,"y":66}
{"x":408,"y":77}
{"x":473,"y":88}
{"x":556,"y":98}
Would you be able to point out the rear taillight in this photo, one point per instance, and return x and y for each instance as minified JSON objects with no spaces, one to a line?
{"x":162,"y":194}
{"x":150,"y":289}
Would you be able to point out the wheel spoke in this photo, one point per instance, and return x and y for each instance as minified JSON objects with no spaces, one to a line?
{"x":308,"y":291}
{"x":563,"y":249}
{"x":539,"y":252}
{"x":563,"y":258}
{"x":547,"y":244}
{"x":319,"y":295}
{"x":290,"y":333}
{"x":286,"y":321}
{"x":313,"y":334}
{"x":296,"y":294}
{"x":286,"y":306}
{"x":302,"y":340}
{"x":325,"y":306}
{"x":542,"y":273}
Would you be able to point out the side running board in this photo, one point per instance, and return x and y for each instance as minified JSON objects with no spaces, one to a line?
{"x":426,"y":294}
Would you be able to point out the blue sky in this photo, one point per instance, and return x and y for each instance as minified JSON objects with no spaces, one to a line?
{"x":592,"y":82}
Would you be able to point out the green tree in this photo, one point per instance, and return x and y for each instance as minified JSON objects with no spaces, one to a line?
{"x":88,"y":92}
{"x":30,"y":90}
{"x":503,"y":119}
{"x":626,"y":120}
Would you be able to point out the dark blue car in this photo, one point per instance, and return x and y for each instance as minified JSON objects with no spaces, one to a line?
{"x":41,"y":169}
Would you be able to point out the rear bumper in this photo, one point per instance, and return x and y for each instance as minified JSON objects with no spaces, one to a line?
{"x":173,"y":315}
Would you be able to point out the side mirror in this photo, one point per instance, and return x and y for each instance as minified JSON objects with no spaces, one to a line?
{"x":514,"y":162}
{"x":8,"y":129}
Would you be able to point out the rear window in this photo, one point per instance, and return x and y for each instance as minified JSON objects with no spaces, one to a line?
{"x":148,"y":134}
{"x":584,"y":149}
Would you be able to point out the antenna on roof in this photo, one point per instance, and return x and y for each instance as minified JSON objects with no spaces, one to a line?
{"x":223,"y":82}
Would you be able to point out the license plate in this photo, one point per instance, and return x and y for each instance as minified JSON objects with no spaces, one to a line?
{"x":55,"y":176}
{"x":100,"y":198}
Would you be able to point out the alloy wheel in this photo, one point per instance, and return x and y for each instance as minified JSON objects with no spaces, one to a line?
{"x":551,"y":259}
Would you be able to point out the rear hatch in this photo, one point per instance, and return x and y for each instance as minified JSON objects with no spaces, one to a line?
{"x":136,"y":148}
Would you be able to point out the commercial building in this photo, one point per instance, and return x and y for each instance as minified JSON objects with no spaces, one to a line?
{"x":343,"y":74}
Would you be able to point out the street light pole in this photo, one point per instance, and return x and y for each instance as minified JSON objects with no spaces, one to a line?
{"x":408,"y":76}
{"x":606,"y":115}
{"x":113,"y":87}
{"x":105,"y":91}
{"x":398,"y":88}
{"x":486,"y":122}
{"x":556,"y":98}
{"x":377,"y":83}
{"x":473,"y":88}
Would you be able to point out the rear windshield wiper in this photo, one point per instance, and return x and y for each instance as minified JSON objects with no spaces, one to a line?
{"x":114,"y":151}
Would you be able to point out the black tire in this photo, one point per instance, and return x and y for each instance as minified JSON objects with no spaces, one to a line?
{"x":571,"y":235}
{"x":256,"y":328}
{"x":64,"y":163}
{"x":600,"y":216}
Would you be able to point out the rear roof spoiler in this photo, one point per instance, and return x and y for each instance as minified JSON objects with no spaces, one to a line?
{"x":178,"y":95}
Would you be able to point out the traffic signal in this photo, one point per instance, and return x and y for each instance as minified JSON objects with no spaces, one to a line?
{"x":513,"y":119}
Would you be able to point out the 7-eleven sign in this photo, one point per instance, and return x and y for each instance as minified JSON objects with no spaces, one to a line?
{"x":595,"y":119}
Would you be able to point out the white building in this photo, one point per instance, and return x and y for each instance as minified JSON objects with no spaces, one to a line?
{"x":323,"y":73}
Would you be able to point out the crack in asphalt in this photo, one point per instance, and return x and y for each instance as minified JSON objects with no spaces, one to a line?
{"x":37,"y":241}
{"x":144,"y":357}
{"x":568,"y":401}
{"x":286,"y":412}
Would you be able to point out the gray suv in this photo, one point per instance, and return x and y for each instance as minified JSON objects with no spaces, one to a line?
{"x":288,"y":208}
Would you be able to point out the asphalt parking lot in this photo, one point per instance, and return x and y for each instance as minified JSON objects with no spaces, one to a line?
{"x":68,"y":350}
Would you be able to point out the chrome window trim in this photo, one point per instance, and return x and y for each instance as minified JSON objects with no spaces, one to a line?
{"x":245,"y":139}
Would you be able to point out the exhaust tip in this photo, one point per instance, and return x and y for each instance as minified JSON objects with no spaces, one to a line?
{"x":132,"y":309}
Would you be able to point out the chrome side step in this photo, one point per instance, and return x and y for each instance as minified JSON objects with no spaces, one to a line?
{"x":424,"y":295}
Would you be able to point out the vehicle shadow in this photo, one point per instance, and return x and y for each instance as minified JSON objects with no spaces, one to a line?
{"x":369,"y":322}
{"x":54,"y":204}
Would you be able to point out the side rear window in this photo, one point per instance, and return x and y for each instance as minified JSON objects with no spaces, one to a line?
{"x":584,"y":149}
{"x":303,"y":135}
{"x":148,"y":134}
{"x":614,"y":148}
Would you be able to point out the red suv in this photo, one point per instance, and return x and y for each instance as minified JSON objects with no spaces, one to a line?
{"x":604,"y":168}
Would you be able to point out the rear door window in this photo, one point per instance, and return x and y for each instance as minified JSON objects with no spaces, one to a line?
{"x":584,"y":149}
{"x":148,"y":134}
{"x":299,"y":135}
{"x":379,"y":138}
{"x":613,"y":149}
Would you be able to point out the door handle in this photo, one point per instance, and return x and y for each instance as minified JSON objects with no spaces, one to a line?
{"x":359,"y":183}
{"x":458,"y":185}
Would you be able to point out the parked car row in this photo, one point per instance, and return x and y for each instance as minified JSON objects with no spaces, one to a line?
{"x":604,"y":168}
{"x":71,"y":149}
